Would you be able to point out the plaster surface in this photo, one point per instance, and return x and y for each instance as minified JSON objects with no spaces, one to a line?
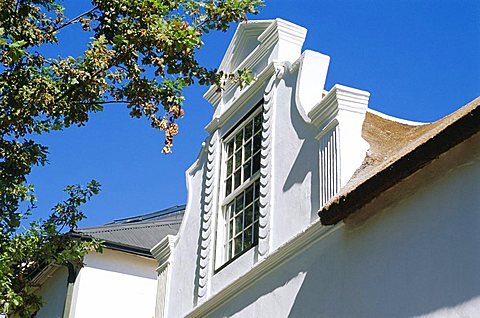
{"x":115,"y":284}
{"x":418,"y":256}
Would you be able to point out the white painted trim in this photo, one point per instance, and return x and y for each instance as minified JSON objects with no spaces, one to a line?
{"x":346,"y":106}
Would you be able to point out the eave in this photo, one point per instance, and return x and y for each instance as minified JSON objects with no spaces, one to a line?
{"x":117,"y":246}
{"x":454,"y":131}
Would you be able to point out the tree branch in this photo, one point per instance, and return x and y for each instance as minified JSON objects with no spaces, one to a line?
{"x":74,"y":20}
{"x":106,"y":102}
{"x":73,"y":88}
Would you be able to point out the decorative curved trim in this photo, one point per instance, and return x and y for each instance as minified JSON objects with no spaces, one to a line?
{"x":266,"y":166}
{"x":208,"y":209}
{"x":312,"y":74}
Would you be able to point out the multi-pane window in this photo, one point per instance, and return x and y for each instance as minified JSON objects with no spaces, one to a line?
{"x":243,"y":154}
{"x":242,"y":225}
{"x":241,"y":208}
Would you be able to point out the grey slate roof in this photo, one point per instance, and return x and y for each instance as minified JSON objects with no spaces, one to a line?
{"x":136,"y":234}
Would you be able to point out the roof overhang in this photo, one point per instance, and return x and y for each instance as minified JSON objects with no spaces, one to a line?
{"x":117,"y":246}
{"x":455,"y":131}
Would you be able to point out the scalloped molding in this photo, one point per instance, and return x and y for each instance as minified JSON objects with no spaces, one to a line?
{"x":209,"y":207}
{"x":266,"y":167}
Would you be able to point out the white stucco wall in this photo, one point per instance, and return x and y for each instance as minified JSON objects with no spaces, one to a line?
{"x":53,"y":293}
{"x":185,"y":253}
{"x":418,"y":256}
{"x":115,"y":284}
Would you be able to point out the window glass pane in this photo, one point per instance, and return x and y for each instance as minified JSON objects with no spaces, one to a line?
{"x":238,"y":158}
{"x":258,"y":123}
{"x":239,"y":203}
{"x":247,"y":170}
{"x":239,"y":223}
{"x":248,"y":130}
{"x":231,"y":229}
{"x":249,"y":215}
{"x":228,"y":186}
{"x":249,"y":195}
{"x":248,"y":149}
{"x":257,"y":142}
{"x":255,"y":233}
{"x":230,"y":247}
{"x":230,"y":148}
{"x":238,"y":244}
{"x":229,"y":166}
{"x":238,"y":178}
{"x":257,"y":189}
{"x":256,"y":163}
{"x":238,"y":139}
{"x":247,"y":237}
{"x":256,"y":209}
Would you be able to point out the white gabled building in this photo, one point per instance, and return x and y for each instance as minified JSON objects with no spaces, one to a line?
{"x":399,"y":202}
{"x":120,"y":281}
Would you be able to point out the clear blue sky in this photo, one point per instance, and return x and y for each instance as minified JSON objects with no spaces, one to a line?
{"x":420,"y":60}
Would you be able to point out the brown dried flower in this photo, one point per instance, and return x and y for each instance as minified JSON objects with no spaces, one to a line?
{"x":172,"y":130}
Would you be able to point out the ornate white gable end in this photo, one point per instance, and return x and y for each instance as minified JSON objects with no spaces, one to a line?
{"x":254,"y":46}
{"x":277,"y":150}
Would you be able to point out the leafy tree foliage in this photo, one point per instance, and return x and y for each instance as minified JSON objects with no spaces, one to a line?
{"x":142,"y":54}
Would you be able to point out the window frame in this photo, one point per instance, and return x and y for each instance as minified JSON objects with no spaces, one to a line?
{"x":224,"y":236}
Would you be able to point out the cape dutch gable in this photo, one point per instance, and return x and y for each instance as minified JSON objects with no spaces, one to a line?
{"x":282,"y":149}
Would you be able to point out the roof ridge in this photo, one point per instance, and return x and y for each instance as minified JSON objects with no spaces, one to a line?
{"x":141,"y":218}
{"x":112,"y":225}
{"x":123,"y":227}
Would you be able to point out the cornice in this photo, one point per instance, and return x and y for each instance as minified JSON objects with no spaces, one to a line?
{"x":163,"y":249}
{"x":297,"y":245}
{"x":243,"y":32}
{"x":339,"y":98}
